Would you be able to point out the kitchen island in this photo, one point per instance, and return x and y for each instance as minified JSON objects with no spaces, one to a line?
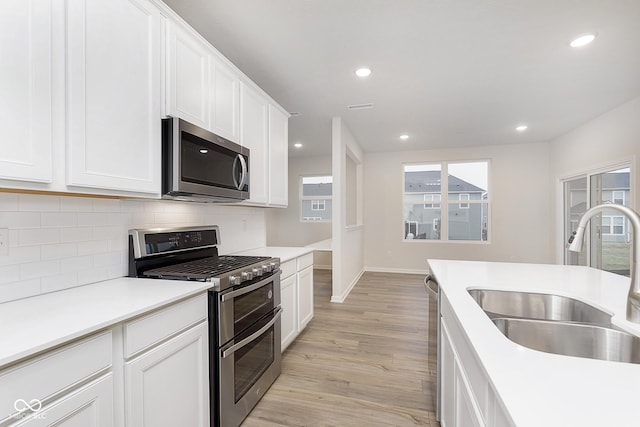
{"x":499,"y":382}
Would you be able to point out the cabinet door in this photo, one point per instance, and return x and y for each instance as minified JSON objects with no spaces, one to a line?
{"x":113,"y":95}
{"x":90,"y":406}
{"x":169,"y":385}
{"x":189,"y":86}
{"x":254,"y":135}
{"x":447,"y":384}
{"x":25,"y":90}
{"x":225,"y":104}
{"x":278,"y":157}
{"x":305,"y":297}
{"x":289,"y":319}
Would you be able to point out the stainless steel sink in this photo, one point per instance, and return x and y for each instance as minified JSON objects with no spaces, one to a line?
{"x":572,"y":339}
{"x":529,"y":305}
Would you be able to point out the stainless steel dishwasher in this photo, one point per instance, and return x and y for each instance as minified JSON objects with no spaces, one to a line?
{"x":433,"y":350}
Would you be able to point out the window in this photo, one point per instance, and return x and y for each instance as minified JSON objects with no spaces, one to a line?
{"x":432,"y":198}
{"x":315,"y":198}
{"x":607,"y":241}
{"x":317,"y":205}
{"x":458,"y":214}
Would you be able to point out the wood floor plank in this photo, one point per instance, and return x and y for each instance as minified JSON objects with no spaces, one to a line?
{"x":360,"y":363}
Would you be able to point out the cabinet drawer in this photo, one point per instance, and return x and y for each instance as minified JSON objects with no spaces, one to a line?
{"x":45,"y":376}
{"x":288,"y":268}
{"x":152,"y":328}
{"x":305,"y":261}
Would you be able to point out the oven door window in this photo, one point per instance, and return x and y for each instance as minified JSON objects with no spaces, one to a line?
{"x":252,"y":360}
{"x":252,"y":306}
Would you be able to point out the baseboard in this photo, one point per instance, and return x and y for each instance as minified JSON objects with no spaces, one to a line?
{"x":395,"y":270}
{"x":340,"y":299}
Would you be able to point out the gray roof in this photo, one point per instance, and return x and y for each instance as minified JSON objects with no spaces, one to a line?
{"x":429,"y":182}
{"x":323,"y":189}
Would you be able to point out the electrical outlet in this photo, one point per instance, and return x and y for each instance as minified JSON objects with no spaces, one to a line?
{"x":4,"y":241}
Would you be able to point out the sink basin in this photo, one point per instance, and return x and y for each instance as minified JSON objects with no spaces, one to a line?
{"x":572,"y":339}
{"x":529,"y":305}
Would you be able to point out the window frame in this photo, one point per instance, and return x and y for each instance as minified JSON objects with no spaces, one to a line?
{"x":445,"y":203}
{"x":302,"y":198}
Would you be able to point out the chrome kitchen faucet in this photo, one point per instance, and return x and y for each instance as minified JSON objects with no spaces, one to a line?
{"x":577,"y":238}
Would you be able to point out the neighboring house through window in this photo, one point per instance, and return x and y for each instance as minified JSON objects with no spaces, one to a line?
{"x":459,"y":214}
{"x":315,"y":198}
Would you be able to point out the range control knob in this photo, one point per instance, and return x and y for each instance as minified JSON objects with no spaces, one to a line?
{"x":256,"y":272}
{"x":273,"y":265}
{"x":267,"y":268}
{"x":246,"y":275}
{"x":234,"y":280}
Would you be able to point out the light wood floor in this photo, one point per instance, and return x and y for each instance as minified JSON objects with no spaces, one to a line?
{"x":359,"y":363}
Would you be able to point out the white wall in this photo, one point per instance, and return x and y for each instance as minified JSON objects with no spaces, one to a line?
{"x":611,"y":138}
{"x":520,"y":208}
{"x":58,"y":242}
{"x":348,"y":241}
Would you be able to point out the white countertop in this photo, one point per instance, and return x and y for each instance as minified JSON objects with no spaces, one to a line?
{"x":31,"y":325}
{"x":285,"y":253}
{"x":542,"y":389}
{"x":323,"y":245}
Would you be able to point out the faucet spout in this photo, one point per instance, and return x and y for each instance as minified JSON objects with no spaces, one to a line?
{"x":577,"y":238}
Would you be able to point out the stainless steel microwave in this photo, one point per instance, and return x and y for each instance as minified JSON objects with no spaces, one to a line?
{"x":198,"y":165}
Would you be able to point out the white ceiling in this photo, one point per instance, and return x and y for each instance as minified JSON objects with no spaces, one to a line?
{"x":449,"y":73}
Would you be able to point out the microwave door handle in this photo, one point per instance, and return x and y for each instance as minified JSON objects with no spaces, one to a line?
{"x":243,"y":172}
{"x":228,"y":352}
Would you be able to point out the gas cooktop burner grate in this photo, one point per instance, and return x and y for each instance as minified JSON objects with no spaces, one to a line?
{"x":205,"y":268}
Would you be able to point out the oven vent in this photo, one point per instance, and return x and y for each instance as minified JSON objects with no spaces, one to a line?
{"x":359,"y":106}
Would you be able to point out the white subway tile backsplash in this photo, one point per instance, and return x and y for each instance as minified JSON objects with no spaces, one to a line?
{"x":20,"y":219}
{"x":92,"y":219}
{"x":76,"y":263}
{"x":20,"y":255}
{"x":9,"y":273}
{"x":39,"y":236}
{"x":58,"y":251}
{"x":8,"y":202}
{"x":93,"y":247}
{"x":56,"y":242}
{"x":37,"y":203}
{"x":59,"y":219}
{"x":76,"y":234}
{"x":59,"y":282}
{"x":34,"y":270}
{"x":22,"y":289}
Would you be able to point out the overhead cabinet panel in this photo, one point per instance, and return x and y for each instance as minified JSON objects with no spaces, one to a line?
{"x":25,"y":90}
{"x":255,"y":110}
{"x":278,"y":157}
{"x":188,"y":77}
{"x":113,"y":95}
{"x":226,"y":101}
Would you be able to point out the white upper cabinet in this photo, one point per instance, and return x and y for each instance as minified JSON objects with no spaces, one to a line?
{"x":188,"y":77}
{"x":225,"y":104}
{"x":254,"y":135}
{"x":278,"y":157}
{"x":113,"y":95}
{"x":25,"y":90}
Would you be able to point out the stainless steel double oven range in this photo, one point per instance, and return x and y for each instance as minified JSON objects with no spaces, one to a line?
{"x":244,"y":311}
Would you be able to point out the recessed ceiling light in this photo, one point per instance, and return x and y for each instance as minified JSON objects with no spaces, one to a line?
{"x":522,"y":128}
{"x":297,"y":145}
{"x":363,"y":72}
{"x":404,"y":137}
{"x":583,"y":40}
{"x":204,"y":150}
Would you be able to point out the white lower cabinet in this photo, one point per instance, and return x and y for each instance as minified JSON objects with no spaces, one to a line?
{"x":468,"y":398}
{"x":168,"y":385}
{"x":459,"y":408}
{"x":305,"y":297}
{"x":289,"y":318}
{"x":296,"y":295}
{"x":155,"y":366}
{"x":90,"y":406}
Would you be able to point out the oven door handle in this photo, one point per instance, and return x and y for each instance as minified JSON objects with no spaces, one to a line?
{"x":228,"y":352}
{"x":242,"y":291}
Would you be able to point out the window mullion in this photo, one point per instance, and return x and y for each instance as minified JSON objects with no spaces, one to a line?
{"x":444,"y":202}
